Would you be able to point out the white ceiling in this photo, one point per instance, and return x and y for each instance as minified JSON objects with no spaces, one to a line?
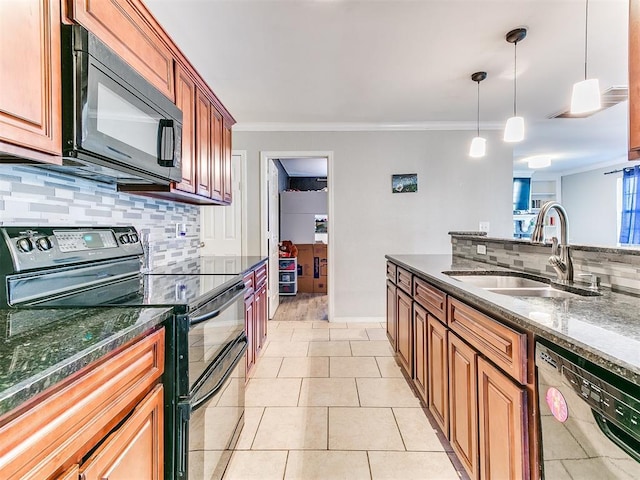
{"x":349,"y":64}
{"x":305,"y":167}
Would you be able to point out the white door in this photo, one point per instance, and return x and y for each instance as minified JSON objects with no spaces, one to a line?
{"x":221,"y":227}
{"x":273,"y":236}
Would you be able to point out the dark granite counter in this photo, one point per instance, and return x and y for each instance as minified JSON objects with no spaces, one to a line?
{"x":39,"y":348}
{"x":604,"y":329}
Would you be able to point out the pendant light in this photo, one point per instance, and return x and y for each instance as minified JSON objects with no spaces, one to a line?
{"x":585,"y":97}
{"x":478,"y":144}
{"x":514,"y":129}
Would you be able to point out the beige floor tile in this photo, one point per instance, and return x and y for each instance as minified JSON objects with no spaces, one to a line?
{"x":411,"y":466}
{"x":292,"y":428}
{"x":377,"y":333}
{"x":353,"y":367}
{"x":297,"y":367}
{"x":326,"y":324}
{"x":277,"y":335}
{"x":209,"y":464}
{"x":252,"y":417}
{"x":286,"y":349}
{"x":360,"y":325}
{"x":329,"y":349}
{"x":328,"y":392}
{"x":373,"y":348}
{"x":310,"y":335}
{"x":349,"y":334}
{"x":323,"y":465}
{"x":416,"y":431}
{"x":363,"y":429}
{"x":298,"y":324}
{"x":250,"y":465}
{"x":386,"y":392}
{"x":267,"y":392}
{"x":267,"y":367}
{"x":389,"y":367}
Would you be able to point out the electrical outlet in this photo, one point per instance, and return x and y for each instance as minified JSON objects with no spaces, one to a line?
{"x":484,"y":227}
{"x":181,"y":230}
{"x":481,"y":249}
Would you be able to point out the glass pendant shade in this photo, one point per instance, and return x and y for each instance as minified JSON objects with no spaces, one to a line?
{"x":540,"y":161}
{"x":514,"y":130}
{"x":478,"y":147}
{"x":585,"y":97}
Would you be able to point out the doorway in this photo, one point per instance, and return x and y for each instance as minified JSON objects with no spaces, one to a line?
{"x":270,"y":186}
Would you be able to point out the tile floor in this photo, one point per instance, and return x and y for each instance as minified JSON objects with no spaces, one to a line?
{"x":327,"y":401}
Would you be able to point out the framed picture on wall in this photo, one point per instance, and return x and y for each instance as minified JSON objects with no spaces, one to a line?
{"x":404,"y":183}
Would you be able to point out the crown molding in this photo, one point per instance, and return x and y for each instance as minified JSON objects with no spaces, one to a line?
{"x":361,"y":127}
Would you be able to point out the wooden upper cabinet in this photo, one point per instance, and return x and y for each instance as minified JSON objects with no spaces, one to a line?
{"x":203,"y":145}
{"x":226,"y":161}
{"x":634,"y":79}
{"x":186,"y":102}
{"x":135,"y":450}
{"x":217,"y":170}
{"x":128,"y":28}
{"x":30,"y":75}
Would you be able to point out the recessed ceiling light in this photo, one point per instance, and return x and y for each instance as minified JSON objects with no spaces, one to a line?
{"x":538,"y":161}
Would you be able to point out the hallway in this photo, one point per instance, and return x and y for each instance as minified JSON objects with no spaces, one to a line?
{"x":327,"y":401}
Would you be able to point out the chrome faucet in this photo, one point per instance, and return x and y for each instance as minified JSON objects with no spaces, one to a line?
{"x":560,"y":259}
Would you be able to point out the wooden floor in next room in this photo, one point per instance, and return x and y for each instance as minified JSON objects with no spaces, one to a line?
{"x":327,"y":401}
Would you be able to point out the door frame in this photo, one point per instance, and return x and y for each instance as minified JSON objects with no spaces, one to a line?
{"x":265,"y":158}
{"x":243,"y":192}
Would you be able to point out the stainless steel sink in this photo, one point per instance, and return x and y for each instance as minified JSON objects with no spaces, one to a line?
{"x":518,"y":286}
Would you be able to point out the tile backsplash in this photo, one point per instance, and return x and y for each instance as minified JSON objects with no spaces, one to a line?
{"x":31,"y":196}
{"x":617,"y":268}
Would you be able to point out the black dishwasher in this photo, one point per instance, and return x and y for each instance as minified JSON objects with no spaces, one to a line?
{"x":590,"y":418}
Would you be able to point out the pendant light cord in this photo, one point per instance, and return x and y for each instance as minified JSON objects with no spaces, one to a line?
{"x":515,"y":72}
{"x":586,"y":28}
{"x":478,"y":113}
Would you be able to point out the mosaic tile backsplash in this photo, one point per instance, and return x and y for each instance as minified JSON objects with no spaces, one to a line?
{"x":31,"y":196}
{"x":618,"y":269}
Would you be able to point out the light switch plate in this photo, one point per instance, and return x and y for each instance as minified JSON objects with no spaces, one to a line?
{"x":484,"y":226}
{"x":481,"y":249}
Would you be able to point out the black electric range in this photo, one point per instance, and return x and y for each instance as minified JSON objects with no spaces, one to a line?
{"x":58,"y":269}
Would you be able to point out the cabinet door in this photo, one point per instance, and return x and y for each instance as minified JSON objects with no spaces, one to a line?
{"x":437,"y":368}
{"x":392,"y":316}
{"x":30,"y":73}
{"x":136,"y":449}
{"x":186,"y":101}
{"x":503,"y":425}
{"x":405,"y":337}
{"x":72,"y":473}
{"x":249,"y":325}
{"x":217,"y":182}
{"x":463,"y":406}
{"x":203,"y":145}
{"x":226,"y":161}
{"x":129,"y":29}
{"x":420,"y":350}
{"x":261,"y":318}
{"x":634,"y":79}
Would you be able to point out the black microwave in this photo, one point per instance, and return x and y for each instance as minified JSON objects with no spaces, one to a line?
{"x":116,"y":126}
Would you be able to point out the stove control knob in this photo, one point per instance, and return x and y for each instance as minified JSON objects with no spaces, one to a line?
{"x":134,"y":238}
{"x":125,"y":238}
{"x":43,"y":243}
{"x":25,"y":245}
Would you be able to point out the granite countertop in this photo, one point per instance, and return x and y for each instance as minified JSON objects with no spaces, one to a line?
{"x":39,"y":348}
{"x":603,"y":329}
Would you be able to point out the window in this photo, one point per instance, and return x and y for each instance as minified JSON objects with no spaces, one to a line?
{"x":630,"y":220}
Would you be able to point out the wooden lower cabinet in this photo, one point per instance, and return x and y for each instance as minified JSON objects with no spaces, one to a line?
{"x":392,"y":316}
{"x":255,"y":313}
{"x":437,"y":373}
{"x":73,"y":473}
{"x":261,"y":317}
{"x":502,"y":418}
{"x":405,"y":332}
{"x":420,"y":350}
{"x":463,"y":394}
{"x":135,"y":450}
{"x":249,"y":326}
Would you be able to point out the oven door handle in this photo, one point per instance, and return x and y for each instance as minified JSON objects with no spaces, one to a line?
{"x":216,"y":388}
{"x":216,"y":312}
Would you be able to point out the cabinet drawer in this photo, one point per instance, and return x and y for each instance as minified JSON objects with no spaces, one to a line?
{"x":404,"y":280}
{"x":261,"y":275}
{"x":499,"y":343}
{"x":391,"y":272}
{"x":430,"y":298}
{"x":63,"y":427}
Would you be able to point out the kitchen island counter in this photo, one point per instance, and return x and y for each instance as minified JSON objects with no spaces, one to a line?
{"x":42,"y":347}
{"x":604,"y":329}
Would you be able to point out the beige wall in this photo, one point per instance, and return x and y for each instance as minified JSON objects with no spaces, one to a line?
{"x":455,"y":192}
